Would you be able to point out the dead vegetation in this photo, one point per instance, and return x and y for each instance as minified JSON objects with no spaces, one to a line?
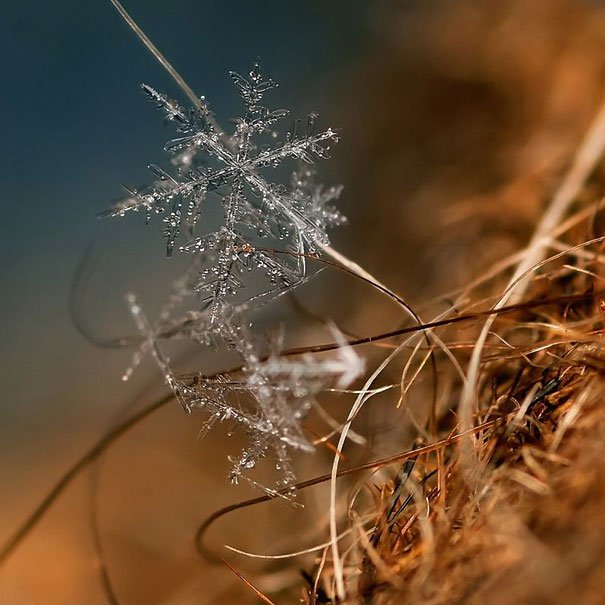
{"x":488,"y":156}
{"x":499,"y":99}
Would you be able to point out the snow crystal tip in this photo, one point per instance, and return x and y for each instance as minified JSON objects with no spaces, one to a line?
{"x":351,"y":366}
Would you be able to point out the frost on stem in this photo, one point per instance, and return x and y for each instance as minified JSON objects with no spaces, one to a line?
{"x":270,"y":397}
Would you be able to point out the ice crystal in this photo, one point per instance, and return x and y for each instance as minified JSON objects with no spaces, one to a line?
{"x":271,"y":395}
{"x":280,"y":392}
{"x":206,"y":162}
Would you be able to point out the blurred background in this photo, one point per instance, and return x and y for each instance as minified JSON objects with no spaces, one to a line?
{"x":450,"y":114}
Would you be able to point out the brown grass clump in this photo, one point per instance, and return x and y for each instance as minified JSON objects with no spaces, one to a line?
{"x":508,"y":507}
{"x":518,"y":516}
{"x":509,"y":510}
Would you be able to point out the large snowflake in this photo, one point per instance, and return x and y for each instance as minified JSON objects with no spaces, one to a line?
{"x":207,"y":161}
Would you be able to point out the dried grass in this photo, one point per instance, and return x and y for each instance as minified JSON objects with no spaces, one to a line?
{"x":501,"y":497}
{"x":512,"y":512}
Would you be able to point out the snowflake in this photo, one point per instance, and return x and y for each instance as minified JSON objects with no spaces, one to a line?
{"x":254,"y":208}
{"x":280,"y":392}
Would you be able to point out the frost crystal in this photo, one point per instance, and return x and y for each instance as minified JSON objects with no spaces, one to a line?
{"x":254,"y":208}
{"x":271,"y":395}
